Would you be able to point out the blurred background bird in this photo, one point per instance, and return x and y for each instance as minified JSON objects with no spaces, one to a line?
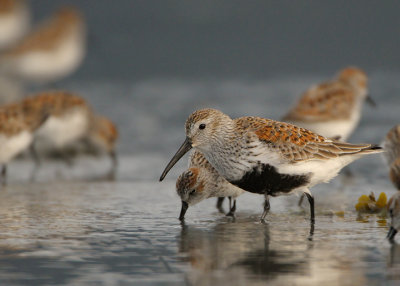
{"x":71,"y":123}
{"x":14,"y":24}
{"x":50,"y":52}
{"x":17,"y":130}
{"x":332,"y":109}
{"x":42,"y":56}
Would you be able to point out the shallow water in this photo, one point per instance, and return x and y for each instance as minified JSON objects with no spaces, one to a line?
{"x":79,"y":225}
{"x":68,"y":228}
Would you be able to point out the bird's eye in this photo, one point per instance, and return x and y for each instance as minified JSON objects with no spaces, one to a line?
{"x":202,"y":126}
{"x":192,"y":192}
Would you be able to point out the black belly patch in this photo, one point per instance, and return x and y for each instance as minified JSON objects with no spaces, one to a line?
{"x":264,"y":179}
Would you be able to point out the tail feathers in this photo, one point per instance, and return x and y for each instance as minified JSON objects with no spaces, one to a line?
{"x":376,"y":147}
{"x":349,"y":149}
{"x":373,"y":148}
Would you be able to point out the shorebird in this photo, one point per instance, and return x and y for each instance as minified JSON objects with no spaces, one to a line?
{"x":50,"y":52}
{"x":201,"y":181}
{"x":332,"y":109}
{"x":14,"y":21}
{"x":266,"y":156}
{"x":71,"y":120}
{"x":17,"y":129}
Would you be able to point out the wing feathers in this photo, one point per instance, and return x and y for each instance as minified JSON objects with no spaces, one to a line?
{"x":297,"y":144}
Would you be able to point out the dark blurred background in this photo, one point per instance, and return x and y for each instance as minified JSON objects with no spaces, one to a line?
{"x":137,"y":40}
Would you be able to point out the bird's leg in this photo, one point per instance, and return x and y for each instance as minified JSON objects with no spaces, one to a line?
{"x":311,"y":201}
{"x":233,"y":208}
{"x":34,"y":155}
{"x":266,"y":208}
{"x":391,"y":234}
{"x":114,"y":164}
{"x":301,"y":200}
{"x":220,"y":200}
{"x":311,"y":234}
{"x":114,"y":160}
{"x":3,"y":175}
{"x":230,"y":202}
{"x":36,"y":161}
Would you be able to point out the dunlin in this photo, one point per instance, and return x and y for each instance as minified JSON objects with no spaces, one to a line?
{"x":50,"y":52}
{"x":70,"y":120}
{"x":17,"y":129}
{"x":14,"y":21}
{"x":69,"y":117}
{"x":265,"y":156}
{"x":332,"y":109}
{"x":201,"y":181}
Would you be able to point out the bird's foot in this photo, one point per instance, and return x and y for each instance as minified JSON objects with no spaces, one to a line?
{"x":231,"y":214}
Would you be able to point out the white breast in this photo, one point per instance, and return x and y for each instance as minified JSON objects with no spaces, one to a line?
{"x":322,"y":171}
{"x":12,"y":146}
{"x":66,"y":129}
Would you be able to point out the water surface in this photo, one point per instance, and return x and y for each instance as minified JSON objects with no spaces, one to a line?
{"x":74,"y":226}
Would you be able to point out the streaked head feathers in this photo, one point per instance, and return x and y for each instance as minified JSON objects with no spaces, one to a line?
{"x":190,"y":186}
{"x":203,"y":123}
{"x":354,"y":77}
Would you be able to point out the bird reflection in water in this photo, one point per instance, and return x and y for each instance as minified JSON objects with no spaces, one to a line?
{"x":394,"y":262}
{"x":241,"y":250}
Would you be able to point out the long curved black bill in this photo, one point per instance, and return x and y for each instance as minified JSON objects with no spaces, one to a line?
{"x":186,"y":146}
{"x":370,"y":101}
{"x":184,"y":208}
{"x":392,"y":232}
